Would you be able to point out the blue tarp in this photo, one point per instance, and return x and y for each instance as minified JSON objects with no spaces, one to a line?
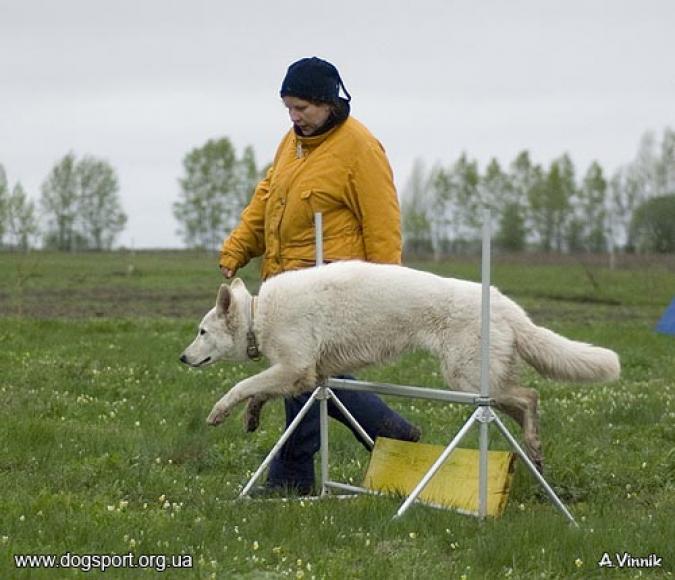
{"x":667,"y":323}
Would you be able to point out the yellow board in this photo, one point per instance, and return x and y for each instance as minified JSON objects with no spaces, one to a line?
{"x":398,"y":466}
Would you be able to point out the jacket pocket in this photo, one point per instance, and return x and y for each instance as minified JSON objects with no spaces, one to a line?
{"x":321,"y":201}
{"x":308,"y":199}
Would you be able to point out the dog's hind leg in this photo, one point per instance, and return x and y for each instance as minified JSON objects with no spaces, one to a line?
{"x":274,"y":381}
{"x":521,"y":404}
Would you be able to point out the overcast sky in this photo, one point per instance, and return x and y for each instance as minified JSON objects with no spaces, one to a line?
{"x":141,"y":82}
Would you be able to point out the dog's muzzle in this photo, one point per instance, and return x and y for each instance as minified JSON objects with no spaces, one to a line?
{"x":184,"y":359}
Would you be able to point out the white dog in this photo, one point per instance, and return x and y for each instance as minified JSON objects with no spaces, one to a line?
{"x":319,"y":322}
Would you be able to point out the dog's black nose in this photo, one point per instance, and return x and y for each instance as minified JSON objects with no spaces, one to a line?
{"x":183,"y":359}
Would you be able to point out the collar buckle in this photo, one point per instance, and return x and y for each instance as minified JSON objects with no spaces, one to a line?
{"x":252,"y":350}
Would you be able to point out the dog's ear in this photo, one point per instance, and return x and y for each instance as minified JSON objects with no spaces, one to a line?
{"x":237,"y":283}
{"x":224,"y":299}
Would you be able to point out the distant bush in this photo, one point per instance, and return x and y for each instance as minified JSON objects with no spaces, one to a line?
{"x":653,"y":225}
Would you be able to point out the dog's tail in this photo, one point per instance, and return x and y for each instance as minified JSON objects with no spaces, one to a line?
{"x":557,"y":357}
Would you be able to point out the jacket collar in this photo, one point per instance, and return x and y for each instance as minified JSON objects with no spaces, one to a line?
{"x":306,"y":144}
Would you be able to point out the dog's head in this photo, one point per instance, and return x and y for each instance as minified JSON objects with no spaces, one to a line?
{"x":222,"y":332}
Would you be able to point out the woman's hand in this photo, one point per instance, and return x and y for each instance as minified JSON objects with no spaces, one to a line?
{"x":226,"y":272}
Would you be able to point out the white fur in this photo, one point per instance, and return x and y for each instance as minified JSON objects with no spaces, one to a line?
{"x":319,"y":322}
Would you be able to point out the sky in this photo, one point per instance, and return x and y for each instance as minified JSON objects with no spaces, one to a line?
{"x":140,"y":83}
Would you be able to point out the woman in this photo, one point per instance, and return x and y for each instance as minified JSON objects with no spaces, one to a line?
{"x":329,"y":163}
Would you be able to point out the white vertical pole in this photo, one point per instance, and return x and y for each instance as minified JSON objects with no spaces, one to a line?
{"x":484,"y":365}
{"x":323,"y":400}
{"x":323,"y":426}
{"x":318,"y":236}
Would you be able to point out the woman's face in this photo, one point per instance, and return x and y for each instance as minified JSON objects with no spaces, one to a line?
{"x":308,"y":117}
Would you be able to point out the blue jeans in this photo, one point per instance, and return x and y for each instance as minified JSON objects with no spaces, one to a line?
{"x":293,"y":465}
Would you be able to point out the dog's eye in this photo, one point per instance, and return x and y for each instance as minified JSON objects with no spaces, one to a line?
{"x":202,"y":331}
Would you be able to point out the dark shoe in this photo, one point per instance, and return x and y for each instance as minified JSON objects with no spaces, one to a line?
{"x":277,"y":491}
{"x":399,"y":428}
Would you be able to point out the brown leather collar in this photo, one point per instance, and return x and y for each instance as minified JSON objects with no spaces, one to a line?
{"x":252,"y":350}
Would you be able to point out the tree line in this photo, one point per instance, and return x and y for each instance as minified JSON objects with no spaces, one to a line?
{"x":545,"y":208}
{"x":548,"y":208}
{"x":79,"y":208}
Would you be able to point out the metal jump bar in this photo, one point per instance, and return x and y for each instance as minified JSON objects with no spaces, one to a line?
{"x":408,"y":391}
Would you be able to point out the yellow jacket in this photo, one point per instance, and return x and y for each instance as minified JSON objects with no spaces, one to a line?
{"x":345,"y":175}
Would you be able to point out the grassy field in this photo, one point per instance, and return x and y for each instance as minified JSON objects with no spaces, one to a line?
{"x":104,"y":448}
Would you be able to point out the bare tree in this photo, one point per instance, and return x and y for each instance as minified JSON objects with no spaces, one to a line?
{"x":214,"y":190}
{"x":81,"y":204}
{"x":100,"y":215}
{"x":59,"y":204}
{"x":4,"y":194}
{"x":650,"y":174}
{"x":416,"y":209}
{"x":587,"y":222}
{"x":22,"y":224}
{"x":550,"y":200}
{"x":665,"y":169}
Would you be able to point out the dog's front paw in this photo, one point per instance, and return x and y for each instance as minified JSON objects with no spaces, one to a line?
{"x":217,"y":416}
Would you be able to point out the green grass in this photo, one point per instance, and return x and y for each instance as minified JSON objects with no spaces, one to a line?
{"x":104,"y":449}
